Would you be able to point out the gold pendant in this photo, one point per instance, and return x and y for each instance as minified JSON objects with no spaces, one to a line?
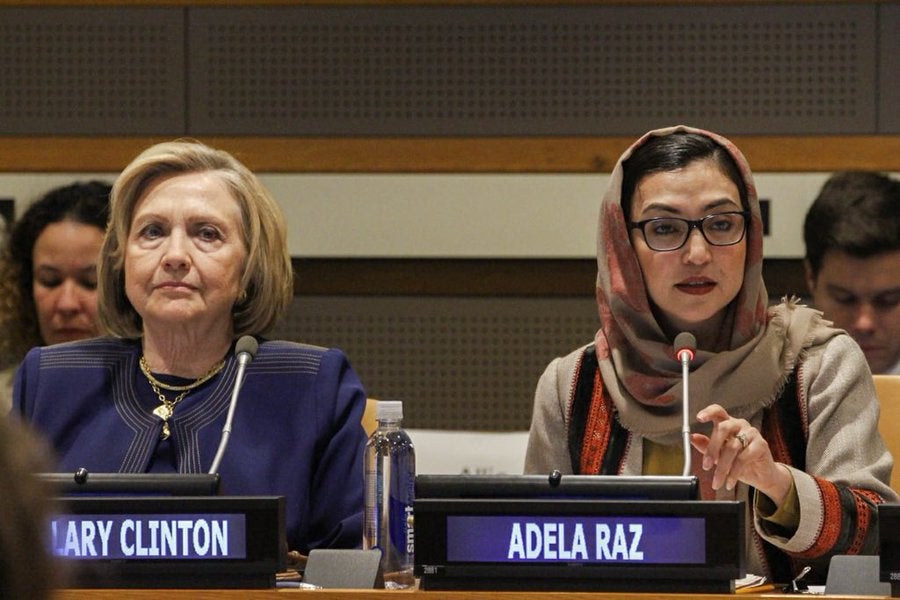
{"x":163,"y":411}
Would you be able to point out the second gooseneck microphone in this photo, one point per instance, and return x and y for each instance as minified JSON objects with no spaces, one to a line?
{"x":685,"y":345}
{"x":245,"y":350}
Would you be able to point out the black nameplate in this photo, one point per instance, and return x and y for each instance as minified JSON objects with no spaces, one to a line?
{"x":556,"y":485}
{"x":132,"y":484}
{"x":172,"y":541}
{"x":577,"y":544}
{"x":889,"y":544}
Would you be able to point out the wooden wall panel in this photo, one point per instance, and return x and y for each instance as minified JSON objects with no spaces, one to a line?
{"x":445,"y":155}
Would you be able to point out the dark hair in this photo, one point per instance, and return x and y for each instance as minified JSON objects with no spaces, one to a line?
{"x":674,"y":151}
{"x":857,"y":212}
{"x":86,"y":203}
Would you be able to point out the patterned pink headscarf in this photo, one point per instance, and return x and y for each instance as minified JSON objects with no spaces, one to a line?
{"x":637,"y":362}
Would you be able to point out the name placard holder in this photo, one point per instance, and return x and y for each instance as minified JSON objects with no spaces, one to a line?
{"x":171,"y":541}
{"x":889,"y":545}
{"x":556,"y":544}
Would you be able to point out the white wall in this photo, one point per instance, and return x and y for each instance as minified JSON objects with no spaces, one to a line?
{"x":480,"y":452}
{"x":457,"y":216}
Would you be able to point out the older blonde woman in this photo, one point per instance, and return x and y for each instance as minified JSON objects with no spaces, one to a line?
{"x":196,"y":257}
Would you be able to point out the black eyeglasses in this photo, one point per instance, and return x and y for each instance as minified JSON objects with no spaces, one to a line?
{"x":664,"y":234}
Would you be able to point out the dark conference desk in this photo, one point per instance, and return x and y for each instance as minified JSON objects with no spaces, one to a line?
{"x":119,"y":594}
{"x":426,"y":509}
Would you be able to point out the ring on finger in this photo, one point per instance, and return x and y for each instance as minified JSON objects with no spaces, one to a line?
{"x":742,"y":438}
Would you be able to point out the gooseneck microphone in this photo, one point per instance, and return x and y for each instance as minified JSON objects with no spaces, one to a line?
{"x":245,"y":350}
{"x":685,"y":345}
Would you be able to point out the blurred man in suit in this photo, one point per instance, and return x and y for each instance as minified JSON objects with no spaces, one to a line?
{"x":852,"y":235}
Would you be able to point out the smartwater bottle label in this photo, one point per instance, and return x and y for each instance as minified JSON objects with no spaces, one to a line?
{"x":401,"y":529}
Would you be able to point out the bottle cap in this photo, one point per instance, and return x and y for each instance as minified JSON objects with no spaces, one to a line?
{"x":389,"y":409}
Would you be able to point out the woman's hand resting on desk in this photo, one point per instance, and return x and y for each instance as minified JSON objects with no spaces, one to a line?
{"x":738,"y":452}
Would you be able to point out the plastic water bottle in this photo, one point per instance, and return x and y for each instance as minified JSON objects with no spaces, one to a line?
{"x":390,"y":490}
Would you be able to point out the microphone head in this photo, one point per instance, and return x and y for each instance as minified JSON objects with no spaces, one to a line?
{"x":248,"y":345}
{"x":685,"y":342}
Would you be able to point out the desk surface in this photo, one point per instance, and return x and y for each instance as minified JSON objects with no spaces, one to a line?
{"x":405,"y":595}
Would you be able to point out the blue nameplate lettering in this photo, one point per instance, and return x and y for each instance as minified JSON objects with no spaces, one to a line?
{"x":638,"y":539}
{"x":149,"y":536}
{"x":578,"y":544}
{"x":171,"y":541}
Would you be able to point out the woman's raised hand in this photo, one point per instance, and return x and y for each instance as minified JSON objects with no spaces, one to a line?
{"x":738,"y":452}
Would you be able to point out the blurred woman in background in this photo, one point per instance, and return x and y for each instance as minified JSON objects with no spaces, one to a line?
{"x":48,"y":275}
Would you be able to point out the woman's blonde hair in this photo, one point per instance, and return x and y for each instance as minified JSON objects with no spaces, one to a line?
{"x":267,"y":279}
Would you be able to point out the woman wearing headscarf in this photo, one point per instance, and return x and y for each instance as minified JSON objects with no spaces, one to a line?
{"x":783,"y":408}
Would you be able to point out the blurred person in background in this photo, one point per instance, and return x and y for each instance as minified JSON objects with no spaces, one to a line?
{"x":27,"y":569}
{"x":48,"y":275}
{"x":852,"y":235}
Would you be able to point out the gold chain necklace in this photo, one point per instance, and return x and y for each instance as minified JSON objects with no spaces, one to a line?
{"x":167,"y":407}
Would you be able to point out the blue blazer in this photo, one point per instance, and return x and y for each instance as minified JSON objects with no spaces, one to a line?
{"x":296,"y":430}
